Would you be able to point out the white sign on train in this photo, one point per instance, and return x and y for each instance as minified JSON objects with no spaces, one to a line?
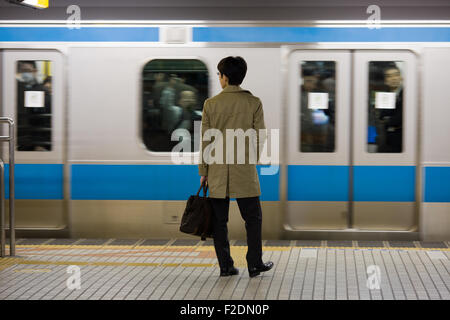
{"x":34,"y":99}
{"x":385,"y":100}
{"x":317,"y":100}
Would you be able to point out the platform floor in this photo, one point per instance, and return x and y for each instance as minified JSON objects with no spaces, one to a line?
{"x":187,"y":269}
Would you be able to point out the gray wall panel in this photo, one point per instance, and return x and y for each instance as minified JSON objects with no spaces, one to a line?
{"x":436,"y":105}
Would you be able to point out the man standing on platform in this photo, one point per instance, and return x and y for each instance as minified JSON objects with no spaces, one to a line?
{"x":234,"y":110}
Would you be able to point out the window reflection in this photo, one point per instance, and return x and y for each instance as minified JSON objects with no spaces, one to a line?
{"x":317,"y":105}
{"x":34,"y":109}
{"x":173,"y":95}
{"x":385,"y":122}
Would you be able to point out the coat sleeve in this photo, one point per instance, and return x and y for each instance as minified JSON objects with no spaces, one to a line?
{"x":260,"y":127}
{"x":203,"y":166}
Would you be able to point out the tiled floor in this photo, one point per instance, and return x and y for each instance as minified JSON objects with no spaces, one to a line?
{"x":187,"y":269}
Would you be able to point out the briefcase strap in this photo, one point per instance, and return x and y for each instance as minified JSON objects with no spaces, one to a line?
{"x":205,"y":189}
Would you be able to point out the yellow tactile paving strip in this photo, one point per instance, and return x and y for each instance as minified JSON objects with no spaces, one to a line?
{"x":377,"y":248}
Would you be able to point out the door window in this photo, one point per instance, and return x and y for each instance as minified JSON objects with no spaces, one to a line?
{"x":174,"y":91}
{"x":385,"y":123}
{"x":34,"y":105}
{"x":317,"y":106}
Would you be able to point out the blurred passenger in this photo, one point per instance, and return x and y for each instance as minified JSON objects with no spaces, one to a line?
{"x":375,"y":134}
{"x":157,"y":88}
{"x":392,"y":119}
{"x":181,"y":86}
{"x":172,"y":114}
{"x":180,"y":116}
{"x":27,"y":74}
{"x":34,"y":122}
{"x":44,"y":121}
{"x":168,"y":93}
{"x":329,"y":85}
{"x":314,"y":128}
{"x":169,"y":112}
{"x":187,"y":102}
{"x":173,"y":95}
{"x":47,"y":84}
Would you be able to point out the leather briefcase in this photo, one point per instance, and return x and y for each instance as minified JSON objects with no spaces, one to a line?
{"x":197,"y":217}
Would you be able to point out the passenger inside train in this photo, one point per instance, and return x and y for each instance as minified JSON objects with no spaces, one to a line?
{"x":34,"y":105}
{"x":385,"y":107}
{"x":317,"y":106}
{"x":173,"y":97}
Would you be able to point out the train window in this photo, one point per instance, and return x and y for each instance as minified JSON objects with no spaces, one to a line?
{"x":317,"y":106}
{"x":34,"y":105}
{"x":385,"y":116}
{"x":174,"y":91}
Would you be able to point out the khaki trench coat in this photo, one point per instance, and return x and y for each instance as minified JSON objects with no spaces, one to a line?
{"x":231,"y":175}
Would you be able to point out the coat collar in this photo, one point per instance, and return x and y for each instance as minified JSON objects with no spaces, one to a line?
{"x":233,"y":88}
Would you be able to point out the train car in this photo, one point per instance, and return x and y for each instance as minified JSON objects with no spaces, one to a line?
{"x":360,"y":115}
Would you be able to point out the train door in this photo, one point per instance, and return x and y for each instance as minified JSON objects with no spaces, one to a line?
{"x":33,"y":95}
{"x":351,"y":142}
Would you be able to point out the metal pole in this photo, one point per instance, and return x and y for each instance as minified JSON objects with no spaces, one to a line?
{"x":12,"y":218}
{"x":12,"y":221}
{"x":2,"y":209}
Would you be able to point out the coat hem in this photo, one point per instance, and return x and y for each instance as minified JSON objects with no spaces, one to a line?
{"x":215,"y":196}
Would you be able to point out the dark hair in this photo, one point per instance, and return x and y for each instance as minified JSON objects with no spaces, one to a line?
{"x":309,"y":70}
{"x":22,"y":62}
{"x":234,"y":68}
{"x":390,"y":67}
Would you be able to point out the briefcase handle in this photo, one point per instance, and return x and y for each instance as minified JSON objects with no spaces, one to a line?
{"x":205,"y":189}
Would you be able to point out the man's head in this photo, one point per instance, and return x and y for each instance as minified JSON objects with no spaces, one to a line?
{"x":392,"y":77}
{"x":310,"y":78}
{"x":27,"y":66}
{"x":173,"y":80}
{"x":28,"y":70}
{"x":159,"y":77}
{"x":187,"y":99}
{"x":232,"y":71}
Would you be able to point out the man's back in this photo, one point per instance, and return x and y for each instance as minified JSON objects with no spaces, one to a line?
{"x":238,"y":111}
{"x":233,"y":108}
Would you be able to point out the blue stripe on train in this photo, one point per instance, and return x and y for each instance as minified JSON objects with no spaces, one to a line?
{"x":315,"y":34}
{"x":146,"y":182}
{"x":82,"y":34}
{"x":437,"y":182}
{"x":384,"y":183}
{"x":36,"y":181}
{"x":331,"y":183}
{"x":229,"y":34}
{"x":317,"y":183}
{"x":168,"y":182}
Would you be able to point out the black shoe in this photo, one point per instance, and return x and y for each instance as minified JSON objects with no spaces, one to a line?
{"x":229,"y":272}
{"x":253,"y":272}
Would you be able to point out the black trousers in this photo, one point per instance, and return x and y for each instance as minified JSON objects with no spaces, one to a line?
{"x":251,"y":212}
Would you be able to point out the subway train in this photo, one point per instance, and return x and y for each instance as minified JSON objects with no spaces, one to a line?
{"x":359,"y":117}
